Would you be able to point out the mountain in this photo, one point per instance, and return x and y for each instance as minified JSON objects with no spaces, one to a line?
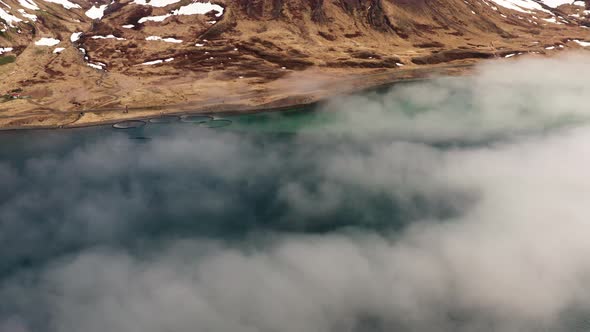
{"x":75,"y":62}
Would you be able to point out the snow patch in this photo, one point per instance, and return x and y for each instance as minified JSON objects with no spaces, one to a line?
{"x":167,"y":40}
{"x":65,"y":3}
{"x":552,"y":20}
{"x":582,"y":43}
{"x":47,"y":42}
{"x":156,"y":3}
{"x":28,"y":4}
{"x":523,"y":6}
{"x":150,"y":63}
{"x":5,"y":49}
{"x":154,"y":18}
{"x":156,"y":62}
{"x":195,"y":8}
{"x":58,"y":50}
{"x":97,"y":65}
{"x":27,"y":15}
{"x":9,"y":18}
{"x":556,"y":3}
{"x":75,"y":37}
{"x":128,"y":26}
{"x":108,"y":37}
{"x":96,"y":12}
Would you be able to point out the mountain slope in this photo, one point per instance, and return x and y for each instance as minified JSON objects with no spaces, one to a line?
{"x":79,"y":62}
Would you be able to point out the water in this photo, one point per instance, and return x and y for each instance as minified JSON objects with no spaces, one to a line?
{"x":226,"y":183}
{"x":242,"y":186}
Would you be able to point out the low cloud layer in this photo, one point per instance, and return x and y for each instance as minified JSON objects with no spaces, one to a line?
{"x":203,"y":230}
{"x":521,"y":96}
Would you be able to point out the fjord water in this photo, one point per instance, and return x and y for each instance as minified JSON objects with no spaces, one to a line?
{"x":409,"y":208}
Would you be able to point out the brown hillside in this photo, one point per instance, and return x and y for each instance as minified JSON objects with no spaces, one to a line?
{"x":251,"y":53}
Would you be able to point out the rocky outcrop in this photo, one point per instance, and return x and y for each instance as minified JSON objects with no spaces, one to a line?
{"x":253,"y":8}
{"x":277,"y":9}
{"x":370,"y":13}
{"x":377,"y":18}
{"x":318,"y":14}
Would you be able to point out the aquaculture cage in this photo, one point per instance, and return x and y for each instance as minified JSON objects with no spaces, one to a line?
{"x":195,"y":118}
{"x":215,"y":123}
{"x":165,"y":119}
{"x":130,"y":124}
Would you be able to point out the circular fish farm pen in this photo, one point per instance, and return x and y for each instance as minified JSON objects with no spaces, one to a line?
{"x":216,"y":123}
{"x":195,"y":118}
{"x":131,"y":124}
{"x":165,"y":119}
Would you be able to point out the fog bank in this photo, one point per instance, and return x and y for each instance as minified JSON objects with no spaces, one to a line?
{"x":518,"y":96}
{"x":353,"y":230}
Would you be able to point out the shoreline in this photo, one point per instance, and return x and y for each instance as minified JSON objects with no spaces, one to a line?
{"x":347,"y":86}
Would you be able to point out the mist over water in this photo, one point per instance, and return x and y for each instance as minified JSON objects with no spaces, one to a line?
{"x":443,"y":205}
